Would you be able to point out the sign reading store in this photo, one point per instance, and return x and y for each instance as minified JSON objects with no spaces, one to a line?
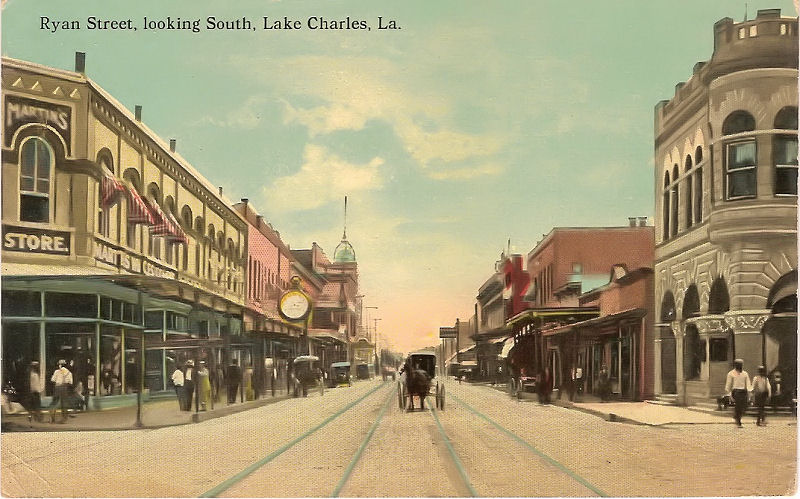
{"x":31,"y":240}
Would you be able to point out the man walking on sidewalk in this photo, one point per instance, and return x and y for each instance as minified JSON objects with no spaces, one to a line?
{"x":232,"y":377}
{"x":738,"y":385}
{"x":62,"y":381}
{"x":177,"y":381}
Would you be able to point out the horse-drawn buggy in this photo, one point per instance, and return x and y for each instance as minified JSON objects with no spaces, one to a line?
{"x":417,"y":378}
{"x":306,"y":375}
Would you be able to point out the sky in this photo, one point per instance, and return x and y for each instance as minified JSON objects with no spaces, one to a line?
{"x":473,"y":124}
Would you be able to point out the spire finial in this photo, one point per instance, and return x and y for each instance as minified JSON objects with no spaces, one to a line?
{"x":344,"y":234}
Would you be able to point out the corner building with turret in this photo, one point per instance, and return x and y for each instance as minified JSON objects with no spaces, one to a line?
{"x":726,"y":214}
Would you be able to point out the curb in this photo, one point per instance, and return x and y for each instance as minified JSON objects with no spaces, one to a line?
{"x":196,"y":417}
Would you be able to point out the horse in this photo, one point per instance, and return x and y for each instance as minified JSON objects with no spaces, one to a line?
{"x":417,"y":383}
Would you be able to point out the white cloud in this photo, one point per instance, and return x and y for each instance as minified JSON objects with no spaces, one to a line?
{"x":323,"y":177}
{"x":247,"y":116}
{"x":353,"y":91}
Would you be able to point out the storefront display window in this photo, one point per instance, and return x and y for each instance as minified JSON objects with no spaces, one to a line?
{"x":73,"y":343}
{"x":110,"y":361}
{"x":22,"y":304}
{"x":20,"y":347}
{"x":70,"y":305}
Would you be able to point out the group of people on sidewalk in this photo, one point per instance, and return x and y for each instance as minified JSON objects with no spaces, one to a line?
{"x":739,"y":387}
{"x":29,"y":395}
{"x":206,"y":386}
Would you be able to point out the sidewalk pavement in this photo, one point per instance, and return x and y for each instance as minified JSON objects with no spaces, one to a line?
{"x":157,"y":413}
{"x":646,"y":413}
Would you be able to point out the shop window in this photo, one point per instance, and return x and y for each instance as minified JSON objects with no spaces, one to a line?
{"x":754,"y":30}
{"x":177,"y":322}
{"x":154,"y":319}
{"x":34,"y":180}
{"x":74,"y":344}
{"x":718,"y":349}
{"x":70,"y":305}
{"x":22,"y":304}
{"x":111,"y":359}
{"x":20,"y":347}
{"x":742,"y":33}
{"x":741,"y":169}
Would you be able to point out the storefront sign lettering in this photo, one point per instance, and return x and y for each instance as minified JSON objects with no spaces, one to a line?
{"x":19,"y":111}
{"x":117,"y":257}
{"x":150,"y":269}
{"x":29,"y":240}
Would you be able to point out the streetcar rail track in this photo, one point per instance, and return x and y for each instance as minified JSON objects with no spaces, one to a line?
{"x":238,"y":477}
{"x":531,"y":448}
{"x":357,"y":456}
{"x":456,"y":460}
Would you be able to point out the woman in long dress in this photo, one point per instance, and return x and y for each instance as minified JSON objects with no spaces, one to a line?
{"x":203,"y":386}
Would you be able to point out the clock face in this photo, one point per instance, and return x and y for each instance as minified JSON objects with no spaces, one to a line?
{"x":294,"y":305}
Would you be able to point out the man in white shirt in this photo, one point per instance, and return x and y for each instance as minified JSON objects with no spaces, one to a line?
{"x":737,"y":385}
{"x":177,"y":381}
{"x":62,"y":381}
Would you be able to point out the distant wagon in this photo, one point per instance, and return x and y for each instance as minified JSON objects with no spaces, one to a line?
{"x":306,"y":375}
{"x":339,"y":374}
{"x":362,"y":371}
{"x":417,"y":378}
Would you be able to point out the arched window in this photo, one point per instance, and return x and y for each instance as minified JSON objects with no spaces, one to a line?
{"x":36,"y":166}
{"x":104,"y":210}
{"x":664,"y":208}
{"x":698,"y":185}
{"x":784,"y":152}
{"x":675,"y":201}
{"x":740,"y":156}
{"x":689,"y":194}
{"x":667,"y":308}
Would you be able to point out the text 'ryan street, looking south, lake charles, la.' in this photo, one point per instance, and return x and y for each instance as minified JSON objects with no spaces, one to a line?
{"x":213,"y":23}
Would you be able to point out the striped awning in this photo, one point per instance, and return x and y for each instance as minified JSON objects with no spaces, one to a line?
{"x":165,"y":225}
{"x":138,"y":211}
{"x":110,"y":189}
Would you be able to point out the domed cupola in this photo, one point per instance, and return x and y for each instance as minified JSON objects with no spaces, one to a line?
{"x":344,"y":252}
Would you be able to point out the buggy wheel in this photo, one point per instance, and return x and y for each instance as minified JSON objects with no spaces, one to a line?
{"x":512,"y":389}
{"x":399,"y":396}
{"x":441,"y":396}
{"x":404,"y":397}
{"x":520,"y":390}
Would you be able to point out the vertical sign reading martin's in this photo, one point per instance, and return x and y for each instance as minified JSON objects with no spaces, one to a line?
{"x":20,"y":111}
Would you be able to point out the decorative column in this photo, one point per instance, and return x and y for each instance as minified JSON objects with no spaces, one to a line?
{"x":746,"y":326}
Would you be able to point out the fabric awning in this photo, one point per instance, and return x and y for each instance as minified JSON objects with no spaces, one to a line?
{"x":165,"y":225}
{"x":138,"y":212}
{"x":110,"y":189}
{"x":507,"y":346}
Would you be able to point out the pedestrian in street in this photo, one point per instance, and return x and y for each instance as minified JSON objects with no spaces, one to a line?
{"x":180,"y":392}
{"x":62,"y":382}
{"x":762,"y":391}
{"x":737,"y":385}
{"x":232,"y":377}
{"x":188,"y":383}
{"x":203,"y":383}
{"x":33,"y":400}
{"x":545,"y":386}
{"x":604,"y":385}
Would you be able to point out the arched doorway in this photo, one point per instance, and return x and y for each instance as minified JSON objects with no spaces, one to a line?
{"x":780,"y":338}
{"x":668,"y":355}
{"x":694,"y":352}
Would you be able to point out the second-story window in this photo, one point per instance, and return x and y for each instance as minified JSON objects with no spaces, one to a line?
{"x":675,"y":202}
{"x":689,"y":194}
{"x":36,"y":161}
{"x":784,"y":152}
{"x":665,"y":207}
{"x":740,"y":156}
{"x":698,"y":184}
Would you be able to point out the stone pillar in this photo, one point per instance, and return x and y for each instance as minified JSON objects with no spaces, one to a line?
{"x":746,"y":326}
